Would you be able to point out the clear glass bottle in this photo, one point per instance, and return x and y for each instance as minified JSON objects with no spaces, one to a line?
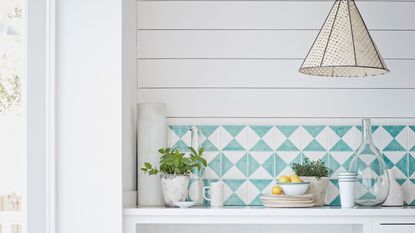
{"x":196,"y":177}
{"x":372,"y":186}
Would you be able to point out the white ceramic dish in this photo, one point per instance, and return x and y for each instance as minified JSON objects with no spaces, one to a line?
{"x":287,"y":202}
{"x":285,"y":199}
{"x":289,"y":205}
{"x":184,"y":204}
{"x":270,"y":195}
{"x":294,"y":188}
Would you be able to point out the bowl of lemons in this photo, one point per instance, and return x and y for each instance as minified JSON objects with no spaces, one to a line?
{"x":290,"y":185}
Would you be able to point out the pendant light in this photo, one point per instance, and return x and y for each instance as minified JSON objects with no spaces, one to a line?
{"x":344,"y":47}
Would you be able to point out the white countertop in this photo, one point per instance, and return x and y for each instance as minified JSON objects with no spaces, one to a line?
{"x":262,"y":211}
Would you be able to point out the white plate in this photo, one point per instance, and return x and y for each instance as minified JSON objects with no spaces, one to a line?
{"x":287,"y":196}
{"x":184,"y":204}
{"x":289,"y":205}
{"x":285,"y":199}
{"x":287,"y":202}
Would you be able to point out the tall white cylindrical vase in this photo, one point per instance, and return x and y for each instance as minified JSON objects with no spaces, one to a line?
{"x":151,"y":136}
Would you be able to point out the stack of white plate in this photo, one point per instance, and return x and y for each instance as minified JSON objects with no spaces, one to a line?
{"x":287,"y":201}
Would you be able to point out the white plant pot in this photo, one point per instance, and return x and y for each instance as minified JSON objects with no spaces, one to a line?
{"x":317,"y":187}
{"x":174,"y":188}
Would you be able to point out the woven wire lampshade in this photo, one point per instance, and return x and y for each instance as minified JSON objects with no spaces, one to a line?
{"x":344,"y":47}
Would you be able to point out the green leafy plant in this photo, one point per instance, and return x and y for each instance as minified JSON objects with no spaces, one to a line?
{"x":315,"y":168}
{"x":175,"y":162}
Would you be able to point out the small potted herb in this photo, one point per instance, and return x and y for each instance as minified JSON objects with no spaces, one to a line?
{"x":317,"y":173}
{"x":175,"y":168}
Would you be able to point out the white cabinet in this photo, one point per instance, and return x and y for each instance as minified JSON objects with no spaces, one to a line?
{"x":263,"y":220}
{"x":397,"y":228}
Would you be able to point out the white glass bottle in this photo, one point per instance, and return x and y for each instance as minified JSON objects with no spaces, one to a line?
{"x":196,"y":177}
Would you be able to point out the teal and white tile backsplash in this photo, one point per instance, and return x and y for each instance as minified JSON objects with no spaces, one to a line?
{"x":249,"y":157}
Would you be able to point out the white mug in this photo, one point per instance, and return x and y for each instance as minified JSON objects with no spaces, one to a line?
{"x":346,"y":189}
{"x":216,"y":194}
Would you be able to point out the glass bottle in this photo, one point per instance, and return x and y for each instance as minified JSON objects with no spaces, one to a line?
{"x":372,"y":185}
{"x":196,"y":177}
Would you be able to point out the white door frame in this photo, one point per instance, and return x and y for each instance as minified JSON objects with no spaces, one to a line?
{"x":39,"y":95}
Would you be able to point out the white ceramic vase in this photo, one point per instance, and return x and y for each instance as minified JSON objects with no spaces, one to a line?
{"x":174,"y":188}
{"x":151,"y":136}
{"x":318,"y":188}
{"x":395,"y":197}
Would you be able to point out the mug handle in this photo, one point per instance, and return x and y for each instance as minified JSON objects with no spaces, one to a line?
{"x":204,"y":193}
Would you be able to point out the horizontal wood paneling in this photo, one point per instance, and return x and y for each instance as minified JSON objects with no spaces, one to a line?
{"x":265,"y":14}
{"x":240,"y":59}
{"x":202,"y":73}
{"x":284,"y":102}
{"x":254,"y":44}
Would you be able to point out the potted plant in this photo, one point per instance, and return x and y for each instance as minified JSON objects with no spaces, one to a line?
{"x":317,"y":173}
{"x":175,"y":168}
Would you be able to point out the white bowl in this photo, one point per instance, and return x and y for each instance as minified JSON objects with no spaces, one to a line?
{"x":184,"y":204}
{"x":294,"y":188}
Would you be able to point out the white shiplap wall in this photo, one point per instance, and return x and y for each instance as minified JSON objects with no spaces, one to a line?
{"x":215,"y":59}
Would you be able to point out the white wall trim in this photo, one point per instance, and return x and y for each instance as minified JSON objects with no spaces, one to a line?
{"x":40,"y":114}
{"x":50,"y":116}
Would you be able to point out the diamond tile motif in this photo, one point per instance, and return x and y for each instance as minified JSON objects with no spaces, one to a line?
{"x":256,"y":187}
{"x":314,"y":138}
{"x":260,"y":138}
{"x":234,"y":165}
{"x":248,"y":158}
{"x":395,"y":138}
{"x":411,"y":165}
{"x":210,"y":137}
{"x":179,"y":136}
{"x":234,"y":138}
{"x":235,"y":192}
{"x":411,"y":138}
{"x":213,"y":170}
{"x":290,"y":137}
{"x":261,"y":165}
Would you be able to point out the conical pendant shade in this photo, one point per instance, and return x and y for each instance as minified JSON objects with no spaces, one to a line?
{"x":344,"y":47}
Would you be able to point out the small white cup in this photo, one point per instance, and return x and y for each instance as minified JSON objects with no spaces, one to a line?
{"x":346,"y":193}
{"x":216,"y":194}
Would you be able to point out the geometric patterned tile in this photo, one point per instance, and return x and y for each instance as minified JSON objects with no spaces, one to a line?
{"x":261,"y":165}
{"x":260,"y":138}
{"x":213,"y":170}
{"x":233,"y":138}
{"x":234,"y":165}
{"x":332,"y":192}
{"x":398,"y":162}
{"x":411,"y":138}
{"x":235,"y":192}
{"x":248,"y":158}
{"x":289,"y":138}
{"x":313,"y":138}
{"x":210,"y":137}
{"x":411,"y":165}
{"x":395,"y":138}
{"x":256,"y":187}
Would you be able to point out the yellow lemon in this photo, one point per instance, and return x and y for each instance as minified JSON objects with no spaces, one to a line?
{"x":284,"y":179}
{"x":276,"y":190}
{"x":296,"y":180}
{"x":292,"y":177}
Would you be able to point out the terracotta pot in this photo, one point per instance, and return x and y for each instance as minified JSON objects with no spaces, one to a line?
{"x":174,"y":188}
{"x":318,"y":188}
